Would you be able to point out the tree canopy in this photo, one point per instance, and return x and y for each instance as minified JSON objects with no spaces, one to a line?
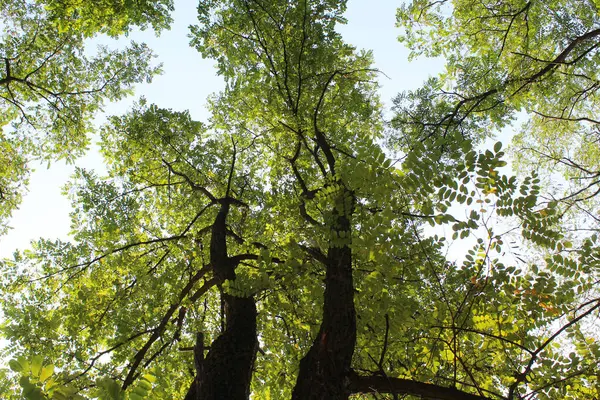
{"x":51,"y":85}
{"x":293,"y":246}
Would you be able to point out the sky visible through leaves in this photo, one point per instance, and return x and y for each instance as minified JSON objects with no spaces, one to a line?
{"x":186,"y":82}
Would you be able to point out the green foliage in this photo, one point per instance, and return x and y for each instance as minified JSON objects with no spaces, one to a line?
{"x":296,"y":144}
{"x":39,"y":382}
{"x":110,"y":17}
{"x":536,"y":61}
{"x":51,"y":86}
{"x":510,"y":57}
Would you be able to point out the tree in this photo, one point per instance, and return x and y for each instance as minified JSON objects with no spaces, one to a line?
{"x":281,"y":249}
{"x":51,"y":86}
{"x":509,"y":57}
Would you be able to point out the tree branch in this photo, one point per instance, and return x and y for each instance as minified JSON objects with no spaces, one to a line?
{"x":382,"y":384}
{"x":158,"y":331}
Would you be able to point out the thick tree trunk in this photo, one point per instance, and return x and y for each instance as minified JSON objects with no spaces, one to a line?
{"x":325,"y":369}
{"x":226,"y":371}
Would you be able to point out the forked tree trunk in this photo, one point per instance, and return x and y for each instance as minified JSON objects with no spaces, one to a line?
{"x":226,"y":371}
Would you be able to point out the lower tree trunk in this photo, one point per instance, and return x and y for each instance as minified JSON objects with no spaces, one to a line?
{"x":325,"y":369}
{"x":226,"y":371}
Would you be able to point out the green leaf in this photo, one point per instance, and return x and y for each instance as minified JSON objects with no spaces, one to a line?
{"x":36,"y":365}
{"x":15,"y":366}
{"x":46,"y":372}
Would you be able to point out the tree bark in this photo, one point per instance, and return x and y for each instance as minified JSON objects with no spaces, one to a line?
{"x":226,"y":372}
{"x":325,"y":369}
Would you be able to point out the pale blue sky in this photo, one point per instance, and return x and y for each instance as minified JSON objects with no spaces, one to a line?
{"x":185,"y":84}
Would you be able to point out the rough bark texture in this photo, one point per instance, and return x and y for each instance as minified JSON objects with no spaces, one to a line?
{"x":222,"y":266}
{"x":226,"y":371}
{"x":325,"y":369}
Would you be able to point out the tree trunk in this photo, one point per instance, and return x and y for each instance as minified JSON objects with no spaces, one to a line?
{"x":226,"y":371}
{"x":325,"y":369}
